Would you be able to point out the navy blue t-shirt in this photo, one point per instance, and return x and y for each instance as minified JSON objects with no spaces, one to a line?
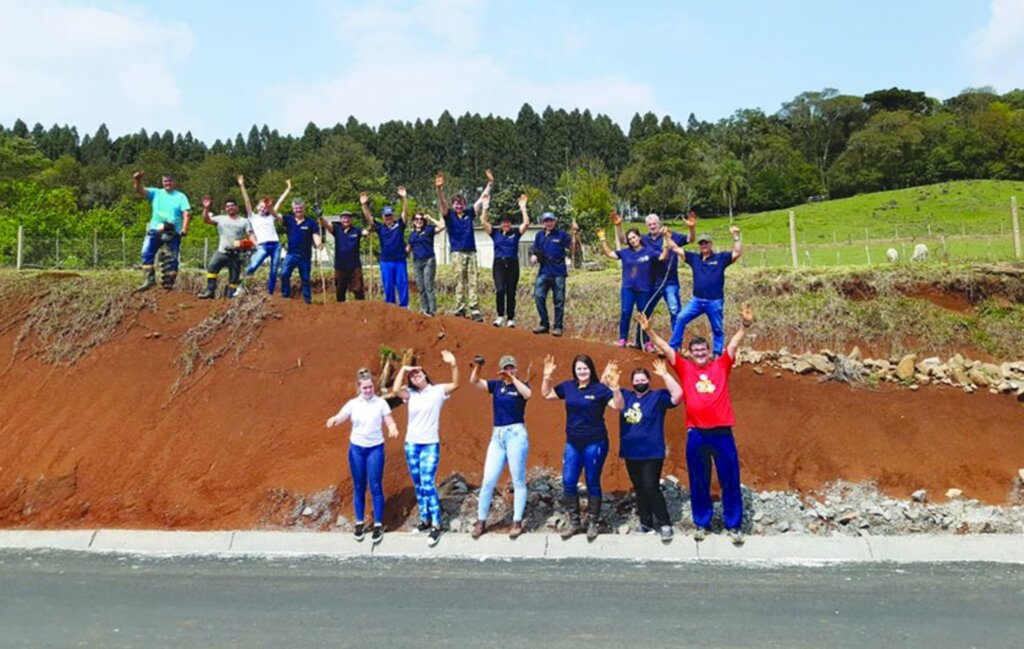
{"x":509,"y":406}
{"x":300,"y":235}
{"x":422,"y":242}
{"x":709,"y":274}
{"x":669,"y":267}
{"x":346,"y":247}
{"x":584,"y":411}
{"x":550,"y":250}
{"x":506,"y":246}
{"x":637,"y":266}
{"x":392,"y":240}
{"x":642,"y":424}
{"x":460,"y":230}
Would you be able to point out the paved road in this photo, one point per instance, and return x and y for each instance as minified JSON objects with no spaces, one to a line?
{"x":53,"y":599}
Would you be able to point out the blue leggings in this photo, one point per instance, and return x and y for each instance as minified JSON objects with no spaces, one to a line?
{"x":365,"y":463}
{"x":588,"y":458}
{"x":423,"y":459}
{"x":702,"y":446}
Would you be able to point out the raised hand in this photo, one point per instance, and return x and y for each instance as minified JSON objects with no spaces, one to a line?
{"x":241,"y":180}
{"x":642,"y":320}
{"x":611,"y":374}
{"x":207,"y":202}
{"x":364,"y":198}
{"x":448,"y":357}
{"x":401,"y":192}
{"x":747,"y":314}
{"x":691,"y":219}
{"x":601,"y":235}
{"x":137,"y":175}
{"x":523,"y":199}
{"x":659,"y":367}
{"x":439,"y":181}
{"x":549,"y":366}
{"x":734,"y":231}
{"x":616,"y":219}
{"x":490,"y":175}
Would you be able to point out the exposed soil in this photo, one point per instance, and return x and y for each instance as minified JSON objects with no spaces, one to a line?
{"x":105,"y":443}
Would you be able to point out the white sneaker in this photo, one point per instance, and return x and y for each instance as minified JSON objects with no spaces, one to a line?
{"x":499,"y":321}
{"x":511,"y":324}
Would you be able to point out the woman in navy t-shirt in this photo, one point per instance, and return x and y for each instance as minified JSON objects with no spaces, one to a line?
{"x":508,"y":441}
{"x":424,"y":262}
{"x":586,"y":437}
{"x":505,"y":269}
{"x":642,"y":445}
{"x":637,"y":266}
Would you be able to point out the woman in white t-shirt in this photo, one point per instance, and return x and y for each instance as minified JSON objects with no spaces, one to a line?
{"x":264,"y":222}
{"x":368,"y":413}
{"x":422,"y":443}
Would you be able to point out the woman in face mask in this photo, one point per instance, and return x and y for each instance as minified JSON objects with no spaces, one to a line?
{"x":642,"y":445}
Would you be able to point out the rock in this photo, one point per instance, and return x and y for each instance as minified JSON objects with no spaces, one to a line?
{"x":1020,"y":474}
{"x":991,"y":369}
{"x":847,"y":516}
{"x":341,"y":522}
{"x":758,"y":370}
{"x":855,"y":354}
{"x":915,"y":387}
{"x":920,"y":253}
{"x":820,"y":363}
{"x":671,"y":478}
{"x":782,"y":527}
{"x":905,"y":368}
{"x":959,"y":375}
{"x":919,"y":496}
{"x":758,"y":515}
{"x":308,"y":511}
{"x":957,"y":361}
{"x":778,"y":375}
{"x":455,"y":525}
{"x":911,"y":514}
{"x":954,"y":494}
{"x":979,"y":378}
{"x":801,"y":366}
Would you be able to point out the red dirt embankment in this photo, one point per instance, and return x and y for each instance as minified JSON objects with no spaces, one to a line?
{"x":104,"y":443}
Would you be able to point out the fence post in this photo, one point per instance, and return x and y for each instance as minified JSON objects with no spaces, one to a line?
{"x":95,"y":250}
{"x":57,"y":249}
{"x":206,"y":251}
{"x":792,"y":238}
{"x":21,"y":244}
{"x":1016,"y":226}
{"x":867,"y":249}
{"x":124,"y":251}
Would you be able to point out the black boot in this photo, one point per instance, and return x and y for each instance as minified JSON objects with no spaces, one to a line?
{"x":211,"y":290}
{"x":573,"y":525}
{"x":167,"y":279}
{"x":593,"y":516}
{"x":150,"y":280}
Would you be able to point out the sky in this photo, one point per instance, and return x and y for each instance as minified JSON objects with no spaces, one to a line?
{"x":215,"y":68}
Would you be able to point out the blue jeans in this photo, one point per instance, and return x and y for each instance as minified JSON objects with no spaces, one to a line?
{"x":695,"y":307}
{"x":152,"y":242}
{"x":395,"y":276}
{"x":423,"y":459}
{"x":367,"y":463}
{"x":541,"y":288}
{"x":702,"y":446}
{"x":291,"y":262}
{"x":513,"y":443}
{"x":268,"y":250}
{"x":588,"y":458}
{"x":669,"y":293}
{"x":631,"y":299}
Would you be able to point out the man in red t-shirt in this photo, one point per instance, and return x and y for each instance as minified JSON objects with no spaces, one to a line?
{"x":709,"y":422}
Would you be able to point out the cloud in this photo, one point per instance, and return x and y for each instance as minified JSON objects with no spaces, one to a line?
{"x":85,"y":65}
{"x":417,"y":60}
{"x":995,"y":52}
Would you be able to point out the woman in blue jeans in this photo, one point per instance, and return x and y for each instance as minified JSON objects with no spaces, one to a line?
{"x":508,"y":441}
{"x":368,"y":413}
{"x":638,"y":261}
{"x":264,"y":222}
{"x":586,"y":436}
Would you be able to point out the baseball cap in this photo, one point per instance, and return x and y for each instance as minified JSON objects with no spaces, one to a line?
{"x":548,"y":216}
{"x":507,"y":360}
{"x":388,"y":210}
{"x":346,"y":213}
{"x":704,"y":238}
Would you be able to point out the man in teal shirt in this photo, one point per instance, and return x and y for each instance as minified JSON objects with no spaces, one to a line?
{"x":167,"y":225}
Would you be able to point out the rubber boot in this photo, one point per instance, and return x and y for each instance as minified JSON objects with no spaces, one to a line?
{"x":593,"y":516}
{"x":150,"y":280}
{"x":167,"y":279}
{"x":574,"y":525}
{"x":211,"y":289}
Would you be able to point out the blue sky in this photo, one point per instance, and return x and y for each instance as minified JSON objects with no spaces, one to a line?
{"x":218,"y":67}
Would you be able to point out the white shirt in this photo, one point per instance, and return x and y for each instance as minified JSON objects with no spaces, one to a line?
{"x":263,"y":227}
{"x":425,"y":414}
{"x":367,"y":417}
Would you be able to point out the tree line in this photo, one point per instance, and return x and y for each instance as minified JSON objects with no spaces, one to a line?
{"x":819,"y":144}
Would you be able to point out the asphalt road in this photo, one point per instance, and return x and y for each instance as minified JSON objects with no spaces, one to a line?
{"x":54,"y":599}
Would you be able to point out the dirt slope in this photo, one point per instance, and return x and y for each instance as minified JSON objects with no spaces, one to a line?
{"x":104,"y":443}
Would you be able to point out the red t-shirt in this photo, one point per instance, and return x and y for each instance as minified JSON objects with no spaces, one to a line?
{"x":706,"y":392}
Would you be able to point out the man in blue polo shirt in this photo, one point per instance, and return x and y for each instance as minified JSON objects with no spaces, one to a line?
{"x":168,"y":223}
{"x":391,"y":234}
{"x":549,"y":250}
{"x":303,"y":234}
{"x":459,"y":219}
{"x":708,"y":287}
{"x":348,"y":267}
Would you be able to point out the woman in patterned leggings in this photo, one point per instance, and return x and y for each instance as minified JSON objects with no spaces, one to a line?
{"x":422,"y":442}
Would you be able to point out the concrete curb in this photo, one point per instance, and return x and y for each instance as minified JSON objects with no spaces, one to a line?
{"x":1004,"y":548}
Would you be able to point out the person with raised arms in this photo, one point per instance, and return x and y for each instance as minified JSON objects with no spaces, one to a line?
{"x":424,"y":261}
{"x":168,"y":223}
{"x":586,"y":436}
{"x":303,"y":235}
{"x":235,"y":237}
{"x":708,"y":286}
{"x":709,"y":425}
{"x":264,"y":226}
{"x":509,"y":440}
{"x":394,"y":273}
{"x":348,"y":265}
{"x":505,"y":269}
{"x":642,"y":444}
{"x":637,"y":267}
{"x":422,"y":438}
{"x":369,"y":413}
{"x":459,"y":218}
